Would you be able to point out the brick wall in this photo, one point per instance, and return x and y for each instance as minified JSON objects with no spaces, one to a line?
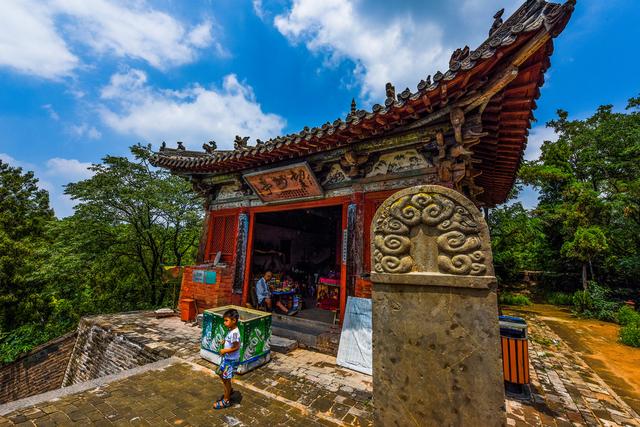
{"x":209,"y":295}
{"x":99,"y":352}
{"x":38,"y":371}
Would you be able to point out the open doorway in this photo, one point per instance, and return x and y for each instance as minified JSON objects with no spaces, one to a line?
{"x":302,"y":248}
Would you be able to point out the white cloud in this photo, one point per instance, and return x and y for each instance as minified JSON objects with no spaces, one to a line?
{"x":34,"y":36}
{"x":537,"y":136}
{"x":85,"y":130}
{"x":59,"y":172}
{"x":68,"y":169}
{"x":26,"y":166}
{"x":29,"y":42}
{"x":133,"y":29}
{"x":193,"y":115}
{"x":257,"y":8}
{"x":402,"y":46}
{"x":132,"y":80}
{"x":201,"y":36}
{"x":52,"y":113}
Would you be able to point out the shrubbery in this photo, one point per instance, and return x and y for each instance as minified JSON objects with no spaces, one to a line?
{"x":629,"y":320}
{"x":628,"y":316}
{"x":595,"y":303}
{"x":559,"y":298}
{"x":507,"y":298}
{"x":630,"y":335}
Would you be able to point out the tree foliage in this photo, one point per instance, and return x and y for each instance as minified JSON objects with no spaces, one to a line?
{"x":588,"y":214}
{"x":517,"y":240}
{"x":131,"y":220}
{"x":24,"y":214}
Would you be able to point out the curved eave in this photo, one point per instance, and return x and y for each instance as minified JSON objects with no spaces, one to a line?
{"x":507,"y":117}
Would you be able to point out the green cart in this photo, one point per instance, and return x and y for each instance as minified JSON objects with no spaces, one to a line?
{"x":255,"y":333}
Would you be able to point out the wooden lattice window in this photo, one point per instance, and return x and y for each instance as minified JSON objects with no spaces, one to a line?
{"x":223,"y":234}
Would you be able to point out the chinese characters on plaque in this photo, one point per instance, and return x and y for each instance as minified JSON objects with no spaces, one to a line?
{"x":289,"y":182}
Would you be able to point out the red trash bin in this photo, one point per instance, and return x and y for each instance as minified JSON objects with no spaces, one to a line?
{"x":187,"y":310}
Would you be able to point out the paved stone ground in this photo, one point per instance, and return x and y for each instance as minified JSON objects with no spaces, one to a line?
{"x":565,"y":390}
{"x":179,"y":395}
{"x":301,"y":388}
{"x":168,"y":336}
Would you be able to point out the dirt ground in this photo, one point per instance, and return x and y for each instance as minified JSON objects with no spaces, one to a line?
{"x":597,"y":344}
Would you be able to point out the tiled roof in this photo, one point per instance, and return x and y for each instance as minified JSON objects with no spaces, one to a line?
{"x":532,"y":18}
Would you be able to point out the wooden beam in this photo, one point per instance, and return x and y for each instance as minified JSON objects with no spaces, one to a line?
{"x":531,"y":47}
{"x":521,"y":88}
{"x":495,"y":85}
{"x":427,"y":102}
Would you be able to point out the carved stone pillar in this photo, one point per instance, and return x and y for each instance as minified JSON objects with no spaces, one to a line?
{"x":436,"y":354}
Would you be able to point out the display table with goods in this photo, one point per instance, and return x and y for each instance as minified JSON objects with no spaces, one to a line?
{"x":255,"y":332}
{"x":286,"y":291}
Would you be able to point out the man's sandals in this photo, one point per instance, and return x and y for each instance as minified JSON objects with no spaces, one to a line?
{"x":221,"y":404}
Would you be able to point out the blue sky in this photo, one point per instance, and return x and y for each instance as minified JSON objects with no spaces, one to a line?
{"x":80,"y":79}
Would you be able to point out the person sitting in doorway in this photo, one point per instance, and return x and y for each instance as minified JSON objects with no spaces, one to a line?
{"x":264,"y":294}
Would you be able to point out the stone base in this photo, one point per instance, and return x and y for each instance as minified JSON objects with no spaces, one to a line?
{"x":436,"y":356}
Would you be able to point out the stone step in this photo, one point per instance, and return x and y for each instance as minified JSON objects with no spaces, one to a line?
{"x":282,"y":344}
{"x":280,"y":319}
{"x":310,"y":334}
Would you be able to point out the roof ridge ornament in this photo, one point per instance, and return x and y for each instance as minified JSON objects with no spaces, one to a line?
{"x":391,"y":94}
{"x":240,"y":143}
{"x":210,"y":147}
{"x":459,"y":55}
{"x":180,"y":146}
{"x":163,"y":146}
{"x":497,"y":21}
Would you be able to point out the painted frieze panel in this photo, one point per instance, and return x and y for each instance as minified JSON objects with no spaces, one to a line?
{"x":286,"y":183}
{"x":336,"y":175}
{"x":230,"y":191}
{"x":399,"y":161}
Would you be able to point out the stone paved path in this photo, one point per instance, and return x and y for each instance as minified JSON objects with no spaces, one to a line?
{"x":178,"y":395}
{"x":565,"y":390}
{"x":302,"y":388}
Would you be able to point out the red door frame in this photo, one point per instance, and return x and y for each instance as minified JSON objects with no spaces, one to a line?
{"x":342,"y":201}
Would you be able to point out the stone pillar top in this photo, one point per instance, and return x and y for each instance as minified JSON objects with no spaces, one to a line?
{"x":431,"y":235}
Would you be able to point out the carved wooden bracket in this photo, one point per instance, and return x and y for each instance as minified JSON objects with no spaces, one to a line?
{"x":353,"y":161}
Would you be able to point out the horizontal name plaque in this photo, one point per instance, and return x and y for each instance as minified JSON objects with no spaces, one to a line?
{"x":286,"y":183}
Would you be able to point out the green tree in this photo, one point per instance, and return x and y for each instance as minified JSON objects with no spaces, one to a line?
{"x":130,"y":220}
{"x":589,"y":206}
{"x":24,"y":214}
{"x":517,"y":240}
{"x":133,"y":213}
{"x":586,"y":244}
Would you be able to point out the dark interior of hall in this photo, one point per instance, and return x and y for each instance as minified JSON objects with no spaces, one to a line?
{"x":302,"y":249}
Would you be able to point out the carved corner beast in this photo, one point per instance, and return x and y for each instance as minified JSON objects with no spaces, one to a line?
{"x":430,"y":229}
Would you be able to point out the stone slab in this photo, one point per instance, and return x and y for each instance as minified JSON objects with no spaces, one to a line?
{"x":436,"y":344}
{"x":436,"y":356}
{"x":282,"y":345}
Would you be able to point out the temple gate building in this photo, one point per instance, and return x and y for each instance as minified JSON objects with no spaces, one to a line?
{"x":301,"y":205}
